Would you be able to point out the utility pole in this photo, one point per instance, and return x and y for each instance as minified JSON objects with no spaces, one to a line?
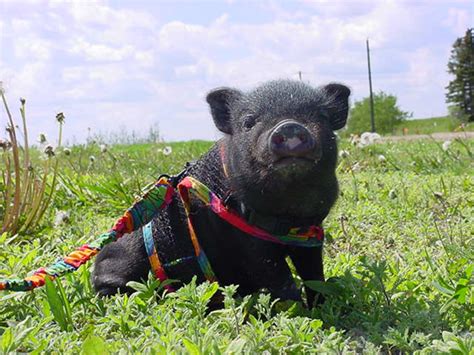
{"x":299,"y":75}
{"x":372,"y":119}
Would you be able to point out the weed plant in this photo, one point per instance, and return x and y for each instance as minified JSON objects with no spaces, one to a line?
{"x":26,"y":187}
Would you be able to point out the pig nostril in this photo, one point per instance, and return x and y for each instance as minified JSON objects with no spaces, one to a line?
{"x":291,"y":139}
{"x":278,"y":139}
{"x":303,"y":137}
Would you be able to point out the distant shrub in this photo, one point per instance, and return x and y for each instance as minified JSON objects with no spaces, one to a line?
{"x":386,"y":111}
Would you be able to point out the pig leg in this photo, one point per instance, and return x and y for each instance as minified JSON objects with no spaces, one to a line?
{"x":120,"y":262}
{"x":274,"y":274}
{"x":309,"y":265}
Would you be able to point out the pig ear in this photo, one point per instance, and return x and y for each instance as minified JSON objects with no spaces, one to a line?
{"x":340,"y":104}
{"x":220,"y":100}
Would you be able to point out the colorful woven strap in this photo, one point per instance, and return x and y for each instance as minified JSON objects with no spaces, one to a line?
{"x":157,"y":198}
{"x":312,"y":236}
{"x":141,"y":214}
{"x":150,"y":248}
{"x":184,"y":189}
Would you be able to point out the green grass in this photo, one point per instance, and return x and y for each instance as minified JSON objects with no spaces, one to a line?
{"x":398,"y":257}
{"x":433,"y":125}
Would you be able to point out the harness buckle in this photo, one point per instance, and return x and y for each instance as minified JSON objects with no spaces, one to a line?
{"x":283,"y":226}
{"x":175,"y":179}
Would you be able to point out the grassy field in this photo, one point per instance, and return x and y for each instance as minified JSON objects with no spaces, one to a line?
{"x":433,"y":125}
{"x":399,"y":258}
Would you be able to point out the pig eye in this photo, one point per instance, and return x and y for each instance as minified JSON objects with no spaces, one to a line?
{"x":249,"y":121}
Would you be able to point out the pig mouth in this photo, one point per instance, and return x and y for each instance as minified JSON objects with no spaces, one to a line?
{"x":293,"y":162}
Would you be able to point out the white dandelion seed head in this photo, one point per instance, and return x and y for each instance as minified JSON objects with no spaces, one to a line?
{"x":61,"y":217}
{"x":356,"y":167}
{"x":103,"y":148}
{"x":5,"y":145}
{"x":354,"y":139}
{"x":167,"y":150}
{"x":343,"y":154}
{"x":392,"y":194}
{"x":446,"y":145}
{"x":49,"y":151}
{"x":368,"y":138}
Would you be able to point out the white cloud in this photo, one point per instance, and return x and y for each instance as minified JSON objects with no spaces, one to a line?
{"x":27,"y":80}
{"x":107,"y":74}
{"x":145,"y":59}
{"x":459,"y":20}
{"x":32,"y":47}
{"x":100,"y":52}
{"x":97,"y":13}
{"x":69,"y":74}
{"x":424,"y":68}
{"x":20,"y":25}
{"x":106,"y":64}
{"x":343,"y":8}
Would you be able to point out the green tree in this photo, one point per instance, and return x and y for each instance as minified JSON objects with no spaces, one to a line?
{"x":461,"y":65}
{"x":387,"y":114}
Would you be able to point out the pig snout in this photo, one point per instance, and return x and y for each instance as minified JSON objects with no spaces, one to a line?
{"x":291,"y":139}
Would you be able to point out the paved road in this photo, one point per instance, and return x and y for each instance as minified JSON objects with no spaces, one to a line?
{"x":441,"y":136}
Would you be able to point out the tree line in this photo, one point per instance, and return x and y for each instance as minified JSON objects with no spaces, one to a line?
{"x":459,"y":94}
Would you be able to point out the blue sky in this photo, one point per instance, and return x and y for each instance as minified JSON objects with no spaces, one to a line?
{"x":130,"y":65}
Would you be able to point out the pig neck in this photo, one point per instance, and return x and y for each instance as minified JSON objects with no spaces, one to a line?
{"x":210,"y":170}
{"x":300,"y":206}
{"x":308,"y":204}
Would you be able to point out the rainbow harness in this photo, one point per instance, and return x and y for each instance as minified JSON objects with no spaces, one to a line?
{"x":141,"y":215}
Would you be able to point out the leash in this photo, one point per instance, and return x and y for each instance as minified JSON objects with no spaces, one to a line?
{"x":144,"y":210}
{"x":141,"y":215}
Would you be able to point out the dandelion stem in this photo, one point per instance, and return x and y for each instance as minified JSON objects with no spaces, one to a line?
{"x":12,"y":219}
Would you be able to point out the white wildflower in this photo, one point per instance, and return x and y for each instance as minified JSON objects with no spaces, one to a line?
{"x":343,"y":154}
{"x":92,"y":159}
{"x":103,"y":148}
{"x":67,"y":151}
{"x":364,"y":139}
{"x":375,"y":137}
{"x":356,"y":167}
{"x":382,"y":158}
{"x":392,"y":194}
{"x":368,"y":138}
{"x":354,"y":139}
{"x":167,"y":150}
{"x":62,"y":217}
{"x":446,"y":145}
